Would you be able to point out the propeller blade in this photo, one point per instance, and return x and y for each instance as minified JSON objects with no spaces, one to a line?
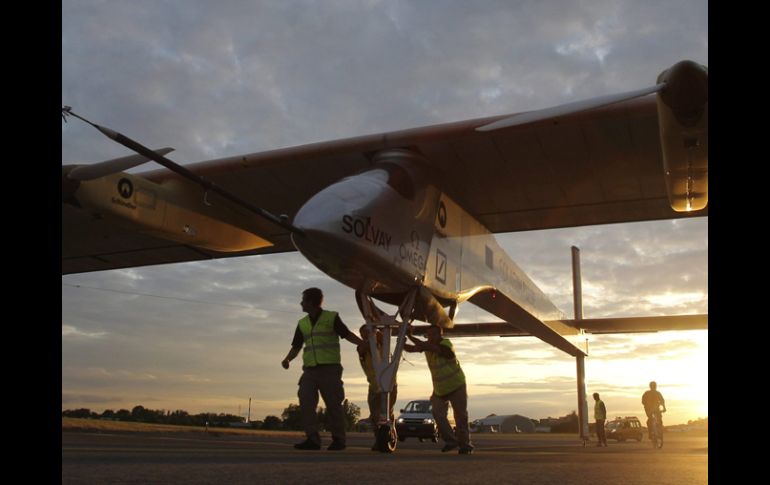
{"x":567,"y":109}
{"x":108,"y":167}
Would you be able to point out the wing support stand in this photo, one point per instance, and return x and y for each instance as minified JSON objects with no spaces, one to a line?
{"x":386,"y":364}
{"x":580,"y":358}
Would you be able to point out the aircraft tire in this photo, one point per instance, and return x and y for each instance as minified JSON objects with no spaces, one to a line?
{"x":386,"y":439}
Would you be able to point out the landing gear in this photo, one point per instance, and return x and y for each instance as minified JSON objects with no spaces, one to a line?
{"x":386,"y":365}
{"x":386,"y":439}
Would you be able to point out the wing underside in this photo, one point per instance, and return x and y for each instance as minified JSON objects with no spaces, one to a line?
{"x":596,"y":167}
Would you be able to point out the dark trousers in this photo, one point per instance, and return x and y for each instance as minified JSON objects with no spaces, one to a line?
{"x":326,"y":379}
{"x":600,"y":432}
{"x":459,"y":400}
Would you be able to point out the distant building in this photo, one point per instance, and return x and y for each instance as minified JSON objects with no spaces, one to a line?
{"x":511,"y":423}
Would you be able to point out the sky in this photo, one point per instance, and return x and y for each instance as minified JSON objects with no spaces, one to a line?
{"x":216,"y":79}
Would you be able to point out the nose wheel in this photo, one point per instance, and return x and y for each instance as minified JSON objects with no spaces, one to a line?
{"x":386,"y":439}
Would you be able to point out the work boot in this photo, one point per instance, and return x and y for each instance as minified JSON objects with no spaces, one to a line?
{"x":448,"y":447}
{"x":308,"y":444}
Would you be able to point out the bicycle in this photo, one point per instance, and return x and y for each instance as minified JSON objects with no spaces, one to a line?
{"x":655,"y":423}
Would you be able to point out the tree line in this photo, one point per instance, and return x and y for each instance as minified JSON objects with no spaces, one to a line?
{"x":290,"y":419}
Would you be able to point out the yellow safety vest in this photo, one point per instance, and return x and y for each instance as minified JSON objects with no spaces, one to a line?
{"x":446,"y":373}
{"x":599,"y":411}
{"x":322,"y":344}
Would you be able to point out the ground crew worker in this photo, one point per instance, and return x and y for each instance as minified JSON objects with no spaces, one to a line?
{"x":320,"y":331}
{"x":374,"y":397}
{"x":600,"y":414}
{"x":448,"y":387}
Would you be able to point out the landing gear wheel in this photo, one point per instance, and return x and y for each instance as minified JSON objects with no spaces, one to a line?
{"x":386,"y":439}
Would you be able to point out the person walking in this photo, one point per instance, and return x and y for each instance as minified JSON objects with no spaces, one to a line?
{"x":320,"y":332}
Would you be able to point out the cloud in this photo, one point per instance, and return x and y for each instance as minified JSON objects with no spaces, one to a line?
{"x":232,"y":77}
{"x":68,"y":331}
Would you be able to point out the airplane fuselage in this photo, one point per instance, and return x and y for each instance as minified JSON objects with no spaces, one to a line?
{"x":390,"y":228}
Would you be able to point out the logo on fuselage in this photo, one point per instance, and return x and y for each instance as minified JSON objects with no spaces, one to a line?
{"x":125,"y":188}
{"x":364,"y":229}
{"x":440,"y":266}
{"x":411,"y":252}
{"x":442,"y":214}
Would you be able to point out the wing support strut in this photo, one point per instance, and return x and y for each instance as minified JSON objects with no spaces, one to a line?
{"x":174,"y":167}
{"x":577,"y":292}
{"x":386,"y":364}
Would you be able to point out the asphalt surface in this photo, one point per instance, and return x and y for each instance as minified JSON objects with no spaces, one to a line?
{"x":133,"y":458}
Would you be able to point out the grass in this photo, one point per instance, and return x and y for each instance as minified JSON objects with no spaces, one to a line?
{"x":102,"y":426}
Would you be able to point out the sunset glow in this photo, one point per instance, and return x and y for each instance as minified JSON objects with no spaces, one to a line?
{"x":231,"y":78}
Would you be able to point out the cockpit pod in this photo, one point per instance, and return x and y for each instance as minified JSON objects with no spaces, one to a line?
{"x":380,"y":220}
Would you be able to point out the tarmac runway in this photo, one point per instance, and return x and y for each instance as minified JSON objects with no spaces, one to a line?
{"x":133,"y":458}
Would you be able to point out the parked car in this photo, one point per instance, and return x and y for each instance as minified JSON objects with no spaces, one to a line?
{"x":416,"y":421}
{"x":621,"y":429}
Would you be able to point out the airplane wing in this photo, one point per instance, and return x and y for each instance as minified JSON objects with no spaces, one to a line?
{"x":600,"y":166}
{"x":588,"y":325}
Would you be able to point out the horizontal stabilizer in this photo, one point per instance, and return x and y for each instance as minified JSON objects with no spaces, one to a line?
{"x":641,"y":324}
{"x":491,"y":329}
{"x":589,"y":325}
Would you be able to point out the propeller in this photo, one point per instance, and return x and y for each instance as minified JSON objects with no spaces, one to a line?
{"x":108,"y":167}
{"x":567,"y":109}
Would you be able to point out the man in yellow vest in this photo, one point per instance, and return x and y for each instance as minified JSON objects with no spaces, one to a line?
{"x":374,"y":398}
{"x":448,"y":387}
{"x":320,"y":331}
{"x":600,"y":414}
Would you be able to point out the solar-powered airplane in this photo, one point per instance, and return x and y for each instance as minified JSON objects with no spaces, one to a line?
{"x":408,"y":217}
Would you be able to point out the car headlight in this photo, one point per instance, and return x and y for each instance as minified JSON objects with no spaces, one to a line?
{"x":427,"y":421}
{"x":400,"y":420}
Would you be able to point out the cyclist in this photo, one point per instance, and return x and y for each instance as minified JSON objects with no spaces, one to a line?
{"x":652,"y":401}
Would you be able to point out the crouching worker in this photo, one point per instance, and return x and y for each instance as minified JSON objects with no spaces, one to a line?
{"x":448,"y":387}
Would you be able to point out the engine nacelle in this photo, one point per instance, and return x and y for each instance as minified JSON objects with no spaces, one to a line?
{"x":175,"y":210}
{"x":683,"y":119}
